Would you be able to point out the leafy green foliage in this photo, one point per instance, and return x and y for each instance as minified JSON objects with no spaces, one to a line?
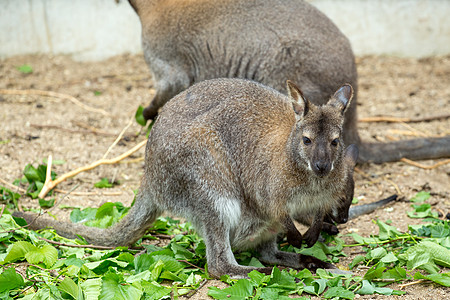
{"x":139,"y":116}
{"x":25,"y":69}
{"x":178,"y":268}
{"x":105,"y":183}
{"x":35,"y":177}
{"x":8,"y":197}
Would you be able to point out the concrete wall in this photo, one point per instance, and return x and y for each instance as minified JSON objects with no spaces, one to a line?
{"x":97,"y":29}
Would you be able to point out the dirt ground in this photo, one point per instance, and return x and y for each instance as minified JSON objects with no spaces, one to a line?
{"x":33,"y":127}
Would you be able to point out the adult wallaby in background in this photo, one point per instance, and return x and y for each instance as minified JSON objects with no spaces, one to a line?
{"x":236,"y":159}
{"x":268,"y":41}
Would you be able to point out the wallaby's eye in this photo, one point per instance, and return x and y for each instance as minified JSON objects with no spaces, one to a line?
{"x":335,"y":142}
{"x":306,"y":140}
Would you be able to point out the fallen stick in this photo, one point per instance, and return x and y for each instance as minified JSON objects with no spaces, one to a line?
{"x":50,"y":184}
{"x":91,"y":131}
{"x":422,"y":166}
{"x":388,"y":119}
{"x":54,"y":95}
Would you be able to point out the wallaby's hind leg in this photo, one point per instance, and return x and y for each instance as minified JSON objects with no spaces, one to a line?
{"x":219,"y":255}
{"x":270,"y":254}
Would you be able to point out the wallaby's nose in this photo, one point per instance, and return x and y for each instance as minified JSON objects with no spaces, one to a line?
{"x":321,"y":168}
{"x":344,"y":220}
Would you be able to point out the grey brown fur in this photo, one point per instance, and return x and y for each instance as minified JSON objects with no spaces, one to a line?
{"x":236,"y":159}
{"x":268,"y":41}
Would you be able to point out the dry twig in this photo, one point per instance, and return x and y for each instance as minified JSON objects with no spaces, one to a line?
{"x":76,"y":246}
{"x":50,"y":184}
{"x":118,"y":138}
{"x":55,"y":95}
{"x":412,"y":283}
{"x":90,"y":131}
{"x":388,"y":119}
{"x":422,"y":166}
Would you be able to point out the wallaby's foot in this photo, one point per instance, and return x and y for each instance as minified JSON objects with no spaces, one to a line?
{"x":330,"y":228}
{"x":311,"y":263}
{"x":270,"y":254}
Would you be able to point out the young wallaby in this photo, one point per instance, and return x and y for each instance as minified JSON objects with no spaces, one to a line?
{"x":236,"y":159}
{"x":268,"y":41}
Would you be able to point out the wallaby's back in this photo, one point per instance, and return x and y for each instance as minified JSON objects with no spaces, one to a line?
{"x":267,"y":41}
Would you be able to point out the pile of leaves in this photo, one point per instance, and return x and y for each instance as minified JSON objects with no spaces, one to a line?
{"x":44,"y":265}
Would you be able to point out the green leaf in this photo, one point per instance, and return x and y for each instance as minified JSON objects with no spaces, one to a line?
{"x":374,"y":272}
{"x":442,"y":279}
{"x":80,"y":216}
{"x":114,"y":287}
{"x":369,"y":289}
{"x":421,"y":197}
{"x":316,"y":287}
{"x":338,"y":292}
{"x":70,"y":287}
{"x":258,"y":278}
{"x":242,"y":289}
{"x":103,"y":183}
{"x":32,"y":174}
{"x":10,"y":280}
{"x":387,"y":231}
{"x":426,"y":252}
{"x":155,"y":291}
{"x":281,"y":279}
{"x":181,"y":252}
{"x":422,"y":211}
{"x":389,"y":258}
{"x":397,"y":273}
{"x":46,"y":203}
{"x":18,"y":251}
{"x":46,"y":254}
{"x":25,"y":69}
{"x":91,"y":288}
{"x":357,"y":260}
{"x":97,"y":93}
{"x":378,"y":253}
{"x":139,"y":116}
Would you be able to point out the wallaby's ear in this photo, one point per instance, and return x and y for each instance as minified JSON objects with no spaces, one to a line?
{"x":343,"y":97}
{"x":299,"y":102}
{"x":351,"y":155}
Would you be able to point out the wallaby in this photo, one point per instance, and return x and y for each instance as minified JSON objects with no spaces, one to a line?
{"x":268,"y":41}
{"x":236,"y":158}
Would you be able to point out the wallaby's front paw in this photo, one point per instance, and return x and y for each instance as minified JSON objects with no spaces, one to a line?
{"x":311,"y":237}
{"x":330,"y":228}
{"x":294,"y":238}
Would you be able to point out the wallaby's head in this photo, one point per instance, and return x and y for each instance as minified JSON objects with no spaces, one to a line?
{"x":317,"y":141}
{"x":340,"y":213}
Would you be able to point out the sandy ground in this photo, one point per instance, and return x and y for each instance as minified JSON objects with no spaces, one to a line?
{"x":34,"y":126}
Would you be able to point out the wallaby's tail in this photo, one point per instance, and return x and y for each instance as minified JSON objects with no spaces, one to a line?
{"x":356,"y":211}
{"x":415,"y":149}
{"x":125,"y":233}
